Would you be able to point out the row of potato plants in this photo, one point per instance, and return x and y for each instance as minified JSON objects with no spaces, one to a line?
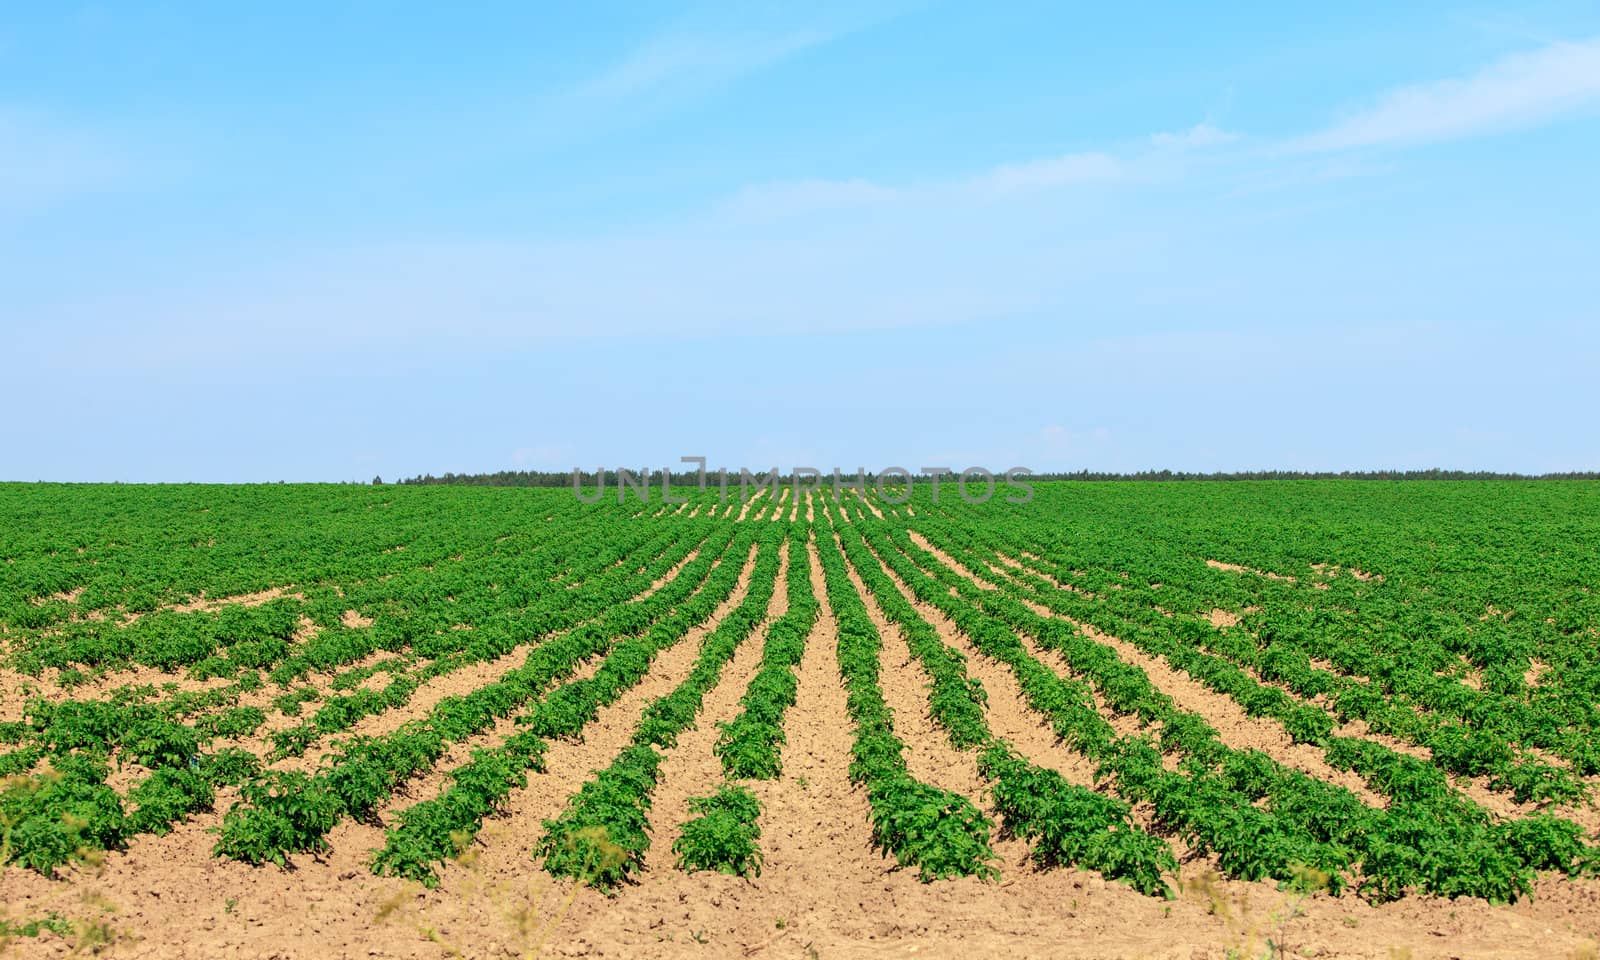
{"x":601,"y":838}
{"x":1424,"y":839}
{"x":1179,"y":639}
{"x":723,"y":832}
{"x":1409,"y":647}
{"x":213,"y":709}
{"x":138,"y":731}
{"x":1400,"y":693}
{"x":68,"y":588}
{"x":69,"y":746}
{"x":285,"y":812}
{"x":428,"y":833}
{"x":558,"y":606}
{"x":462,"y":611}
{"x":1230,"y":662}
{"x":939,"y":832}
{"x":121,"y":549}
{"x":750,"y":745}
{"x":1492,"y":638}
{"x":1065,"y":824}
{"x":63,"y":807}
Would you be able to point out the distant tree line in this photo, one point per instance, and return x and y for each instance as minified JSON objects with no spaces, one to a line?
{"x":543,"y":478}
{"x":1433,"y":474}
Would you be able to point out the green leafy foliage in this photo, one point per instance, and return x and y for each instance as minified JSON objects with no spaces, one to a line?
{"x":723,"y":834}
{"x":1417,"y":637}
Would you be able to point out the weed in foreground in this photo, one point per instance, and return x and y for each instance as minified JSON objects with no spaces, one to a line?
{"x":524,"y":910}
{"x":1251,"y":935}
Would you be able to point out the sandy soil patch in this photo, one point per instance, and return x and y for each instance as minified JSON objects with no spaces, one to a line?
{"x":871,"y":507}
{"x":1221,"y":618}
{"x":759,"y":497}
{"x":63,"y":596}
{"x":1236,"y":568}
{"x":1334,"y":569}
{"x":1535,"y":673}
{"x":204,"y":604}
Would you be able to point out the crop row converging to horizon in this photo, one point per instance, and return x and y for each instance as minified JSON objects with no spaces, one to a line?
{"x":1417,"y":667}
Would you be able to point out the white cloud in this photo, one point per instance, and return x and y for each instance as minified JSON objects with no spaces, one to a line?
{"x":1520,"y":89}
{"x":1199,"y":135}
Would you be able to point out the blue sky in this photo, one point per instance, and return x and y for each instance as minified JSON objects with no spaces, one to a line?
{"x":279,"y":243}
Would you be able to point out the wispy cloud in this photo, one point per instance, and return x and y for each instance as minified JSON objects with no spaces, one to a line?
{"x":1052,"y":172}
{"x":1166,"y":224}
{"x":695,"y":54}
{"x":807,"y":196}
{"x":1518,"y":90}
{"x":696,"y":61}
{"x":997,"y":182}
{"x":677,"y":65}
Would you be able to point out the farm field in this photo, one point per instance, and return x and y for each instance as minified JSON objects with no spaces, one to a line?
{"x":1297,"y":718}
